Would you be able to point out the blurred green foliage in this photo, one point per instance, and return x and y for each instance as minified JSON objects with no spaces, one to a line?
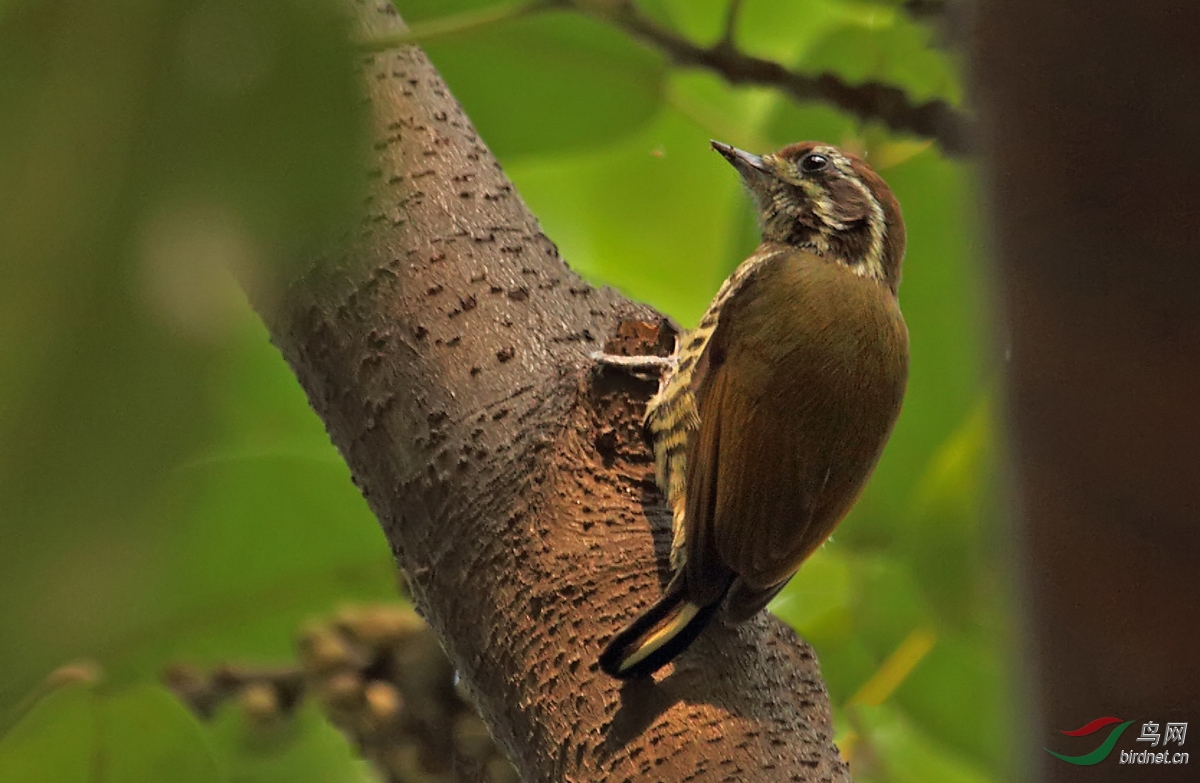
{"x":165,"y":492}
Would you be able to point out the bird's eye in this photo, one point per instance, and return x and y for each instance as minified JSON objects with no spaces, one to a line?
{"x":812,"y":163}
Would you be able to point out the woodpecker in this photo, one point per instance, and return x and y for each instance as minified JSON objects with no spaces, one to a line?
{"x":773,"y":411}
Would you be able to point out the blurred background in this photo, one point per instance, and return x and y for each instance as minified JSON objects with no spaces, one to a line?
{"x":167,"y":496}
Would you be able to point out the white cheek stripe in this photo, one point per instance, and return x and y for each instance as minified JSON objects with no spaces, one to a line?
{"x":777,"y":212}
{"x":877,"y":226}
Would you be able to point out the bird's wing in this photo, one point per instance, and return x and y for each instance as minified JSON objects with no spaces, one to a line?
{"x":708,"y":577}
{"x":749,"y":485}
{"x":751,"y":493}
{"x":785,"y":441}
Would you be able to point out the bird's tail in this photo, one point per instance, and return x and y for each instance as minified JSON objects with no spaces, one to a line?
{"x":652,"y":640}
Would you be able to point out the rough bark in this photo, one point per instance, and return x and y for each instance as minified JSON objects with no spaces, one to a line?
{"x":1091,"y":122}
{"x":446,"y":350}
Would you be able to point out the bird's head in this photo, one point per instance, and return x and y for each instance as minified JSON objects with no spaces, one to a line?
{"x":815,"y":196}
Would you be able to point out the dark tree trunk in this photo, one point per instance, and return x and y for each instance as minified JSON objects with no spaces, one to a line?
{"x":446,"y":350}
{"x":1093,"y":119}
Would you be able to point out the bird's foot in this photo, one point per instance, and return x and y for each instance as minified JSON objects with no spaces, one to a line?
{"x":648,"y":368}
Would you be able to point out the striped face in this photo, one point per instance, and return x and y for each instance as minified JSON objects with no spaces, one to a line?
{"x":815,"y":196}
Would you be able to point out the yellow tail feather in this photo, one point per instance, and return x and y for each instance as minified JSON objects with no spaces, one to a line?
{"x":661,"y":634}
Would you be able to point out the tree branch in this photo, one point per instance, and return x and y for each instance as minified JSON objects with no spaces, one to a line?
{"x":446,"y":349}
{"x":380,"y":676}
{"x":870,"y":101}
{"x":952,"y":129}
{"x":729,"y":31}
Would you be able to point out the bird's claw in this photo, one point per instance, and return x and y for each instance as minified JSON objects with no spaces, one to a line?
{"x":647,"y":368}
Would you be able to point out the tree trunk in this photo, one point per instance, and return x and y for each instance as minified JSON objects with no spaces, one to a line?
{"x":1095,"y":172}
{"x":446,"y":349}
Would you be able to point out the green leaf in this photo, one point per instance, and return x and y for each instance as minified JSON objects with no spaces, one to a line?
{"x":731,"y":114}
{"x":145,"y":147}
{"x":946,"y":533}
{"x":951,"y":483}
{"x":901,"y":753}
{"x":258,"y":543}
{"x":81,"y":733}
{"x":793,"y":122}
{"x":305,"y":749}
{"x":819,"y":595}
{"x":971,"y":667}
{"x":550,"y":82}
{"x":220,"y":552}
{"x":652,"y":215}
{"x":146,"y":734}
{"x":883,"y":45}
{"x":699,"y":20}
{"x":943,"y":303}
{"x":417,"y":11}
{"x":786,"y":31}
{"x":53,"y":740}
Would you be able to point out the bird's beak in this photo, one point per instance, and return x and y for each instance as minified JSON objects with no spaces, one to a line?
{"x":746,"y":163}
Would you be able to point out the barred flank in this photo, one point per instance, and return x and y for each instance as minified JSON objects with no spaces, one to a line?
{"x":673,"y":415}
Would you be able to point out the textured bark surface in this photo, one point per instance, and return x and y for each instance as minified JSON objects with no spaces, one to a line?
{"x":1092,"y":121}
{"x":446,"y":351}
